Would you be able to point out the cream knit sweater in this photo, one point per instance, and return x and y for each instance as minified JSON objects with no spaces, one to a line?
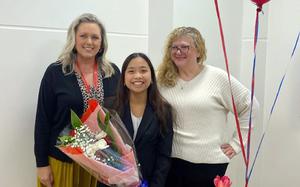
{"x":201,"y":106}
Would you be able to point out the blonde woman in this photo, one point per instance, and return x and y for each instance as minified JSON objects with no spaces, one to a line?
{"x":82,"y":72}
{"x":200,"y":95}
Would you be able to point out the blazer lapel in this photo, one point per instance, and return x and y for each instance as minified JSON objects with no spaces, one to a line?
{"x":126,"y":118}
{"x":145,"y":123}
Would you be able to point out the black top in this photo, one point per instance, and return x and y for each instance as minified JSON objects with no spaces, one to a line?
{"x":59,"y":94}
{"x":153,"y":148}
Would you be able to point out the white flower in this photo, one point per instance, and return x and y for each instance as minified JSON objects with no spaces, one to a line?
{"x":101,"y":144}
{"x":92,"y":148}
{"x":100,"y":135}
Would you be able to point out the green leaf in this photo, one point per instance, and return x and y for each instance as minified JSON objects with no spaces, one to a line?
{"x":65,"y":140}
{"x":75,"y":120}
{"x":107,"y":128}
{"x":109,"y":131}
{"x":100,"y":124}
{"x":107,"y":118}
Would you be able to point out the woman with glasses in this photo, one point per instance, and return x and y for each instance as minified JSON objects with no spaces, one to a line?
{"x":201,"y":97}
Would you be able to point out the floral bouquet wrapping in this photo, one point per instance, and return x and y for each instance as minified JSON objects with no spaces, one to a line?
{"x":100,"y":144}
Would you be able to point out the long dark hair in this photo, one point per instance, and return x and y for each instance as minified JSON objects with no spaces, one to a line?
{"x":154,"y":98}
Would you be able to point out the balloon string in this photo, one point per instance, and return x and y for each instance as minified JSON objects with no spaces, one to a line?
{"x":256,"y":29}
{"x":229,"y":79}
{"x":273,"y":106}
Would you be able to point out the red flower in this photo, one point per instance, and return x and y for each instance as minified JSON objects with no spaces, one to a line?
{"x":92,"y":105}
{"x":72,"y":133}
{"x":72,"y":150}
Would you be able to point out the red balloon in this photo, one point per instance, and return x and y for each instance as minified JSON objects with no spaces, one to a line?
{"x":260,"y":3}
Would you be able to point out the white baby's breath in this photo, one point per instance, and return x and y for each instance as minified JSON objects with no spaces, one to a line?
{"x":100,"y":135}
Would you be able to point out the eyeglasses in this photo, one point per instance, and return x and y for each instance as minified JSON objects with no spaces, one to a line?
{"x":182,"y":48}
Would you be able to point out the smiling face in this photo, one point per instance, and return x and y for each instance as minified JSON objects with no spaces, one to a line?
{"x":88,"y":41}
{"x":183,"y":51}
{"x":137,"y":76}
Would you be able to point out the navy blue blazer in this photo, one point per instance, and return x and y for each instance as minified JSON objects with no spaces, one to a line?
{"x":152,"y":147}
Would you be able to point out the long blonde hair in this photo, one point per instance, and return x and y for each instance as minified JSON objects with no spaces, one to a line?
{"x":167,"y":71}
{"x":68,"y":55}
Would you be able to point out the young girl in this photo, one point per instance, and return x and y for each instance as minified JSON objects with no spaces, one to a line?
{"x":147,"y":117}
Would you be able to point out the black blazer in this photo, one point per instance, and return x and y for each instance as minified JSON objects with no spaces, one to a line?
{"x":153,"y":149}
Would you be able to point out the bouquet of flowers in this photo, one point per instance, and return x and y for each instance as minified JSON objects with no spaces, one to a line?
{"x":100,"y":143}
{"x":222,"y":181}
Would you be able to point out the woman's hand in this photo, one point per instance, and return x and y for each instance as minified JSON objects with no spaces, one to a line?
{"x":45,"y":175}
{"x":228,"y":150}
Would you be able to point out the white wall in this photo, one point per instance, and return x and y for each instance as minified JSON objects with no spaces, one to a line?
{"x":160,"y":24}
{"x":280,"y":155}
{"x":32,"y":34}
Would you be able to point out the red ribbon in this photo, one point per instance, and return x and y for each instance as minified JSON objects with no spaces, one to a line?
{"x":259,"y":4}
{"x":95,"y":78}
{"x":229,"y":79}
{"x":92,"y":105}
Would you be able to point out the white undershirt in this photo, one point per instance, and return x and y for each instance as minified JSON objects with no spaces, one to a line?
{"x":136,"y":121}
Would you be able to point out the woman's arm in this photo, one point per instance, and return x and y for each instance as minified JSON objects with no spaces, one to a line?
{"x":44,"y":113}
{"x":242,"y":97}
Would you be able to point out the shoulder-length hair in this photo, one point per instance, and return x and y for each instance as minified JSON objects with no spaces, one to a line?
{"x":68,"y":55}
{"x":167,"y":70}
{"x":154,"y":98}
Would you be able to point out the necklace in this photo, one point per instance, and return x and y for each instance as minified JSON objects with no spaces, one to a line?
{"x":182,"y":84}
{"x":90,"y":92}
